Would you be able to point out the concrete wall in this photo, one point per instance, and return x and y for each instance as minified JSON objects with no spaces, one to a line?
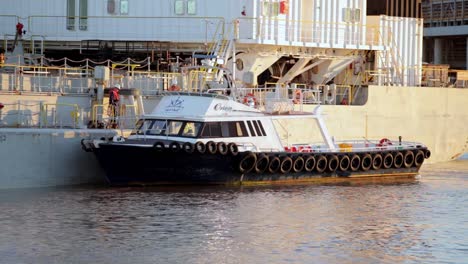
{"x":47,"y":157}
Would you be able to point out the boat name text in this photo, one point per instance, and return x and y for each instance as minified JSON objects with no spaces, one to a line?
{"x":220,"y":107}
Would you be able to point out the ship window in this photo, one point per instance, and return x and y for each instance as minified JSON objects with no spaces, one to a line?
{"x":124,"y":7}
{"x":351,"y":15}
{"x":179,"y":7}
{"x":259,"y":128}
{"x":270,"y":9}
{"x":191,"y":129}
{"x":111,"y":7}
{"x":191,"y":7}
{"x":71,"y":14}
{"x":173,"y":128}
{"x":83,"y":14}
{"x":251,"y":129}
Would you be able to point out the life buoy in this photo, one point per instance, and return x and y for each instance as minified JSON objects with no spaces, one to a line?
{"x":174,"y":88}
{"x":384,"y":142}
{"x":249,"y":99}
{"x":297,"y":96}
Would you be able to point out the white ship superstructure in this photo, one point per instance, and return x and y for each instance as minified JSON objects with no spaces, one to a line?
{"x":313,"y":41}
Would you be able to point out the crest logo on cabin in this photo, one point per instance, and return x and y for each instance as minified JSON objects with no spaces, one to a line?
{"x":175,"y":105}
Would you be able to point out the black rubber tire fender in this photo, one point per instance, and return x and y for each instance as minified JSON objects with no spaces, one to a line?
{"x":200,"y":147}
{"x":175,"y":146}
{"x":286,"y":164}
{"x":298,"y":164}
{"x":387,"y":162}
{"x":233,"y":149}
{"x":247,"y":163}
{"x":211,"y":147}
{"x":188,"y":147}
{"x":309,"y":163}
{"x":366,"y":162}
{"x":427,"y":154}
{"x":222,"y":148}
{"x":159,"y":146}
{"x":398,"y":160}
{"x":321,"y":164}
{"x":274,"y":164}
{"x":345,"y":162}
{"x":355,"y":162}
{"x":418,"y":158}
{"x":262,"y":163}
{"x":377,"y":161}
{"x":408,"y":159}
{"x":333,"y":163}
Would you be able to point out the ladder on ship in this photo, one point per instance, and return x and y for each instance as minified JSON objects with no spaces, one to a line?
{"x":218,"y":54}
{"x":389,"y":68}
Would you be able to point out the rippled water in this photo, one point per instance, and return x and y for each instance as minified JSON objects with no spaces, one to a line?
{"x":415,"y":221}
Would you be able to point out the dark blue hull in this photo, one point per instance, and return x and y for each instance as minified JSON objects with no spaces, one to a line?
{"x":138,"y":165}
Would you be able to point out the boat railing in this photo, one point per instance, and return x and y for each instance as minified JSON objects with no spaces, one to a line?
{"x":354,"y":146}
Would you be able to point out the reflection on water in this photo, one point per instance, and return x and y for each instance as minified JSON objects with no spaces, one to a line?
{"x":411,"y":221}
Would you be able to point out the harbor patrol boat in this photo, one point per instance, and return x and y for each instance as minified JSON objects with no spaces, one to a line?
{"x":203,"y":138}
{"x":362,"y":65}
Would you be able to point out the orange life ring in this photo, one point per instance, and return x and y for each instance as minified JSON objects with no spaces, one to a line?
{"x":249,"y":98}
{"x":384,"y":142}
{"x":174,"y":88}
{"x":297,"y":96}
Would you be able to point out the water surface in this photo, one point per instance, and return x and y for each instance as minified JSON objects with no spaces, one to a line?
{"x":411,"y":221}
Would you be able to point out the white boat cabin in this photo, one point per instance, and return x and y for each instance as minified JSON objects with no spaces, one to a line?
{"x":188,"y":117}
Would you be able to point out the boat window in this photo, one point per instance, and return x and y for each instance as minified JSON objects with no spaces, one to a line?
{"x":241,"y":129}
{"x":158,"y":127}
{"x":191,"y":129}
{"x":261,"y":128}
{"x":173,"y":127}
{"x":251,"y":129}
{"x":257,"y":129}
{"x":142,"y":126}
{"x":212,"y":129}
